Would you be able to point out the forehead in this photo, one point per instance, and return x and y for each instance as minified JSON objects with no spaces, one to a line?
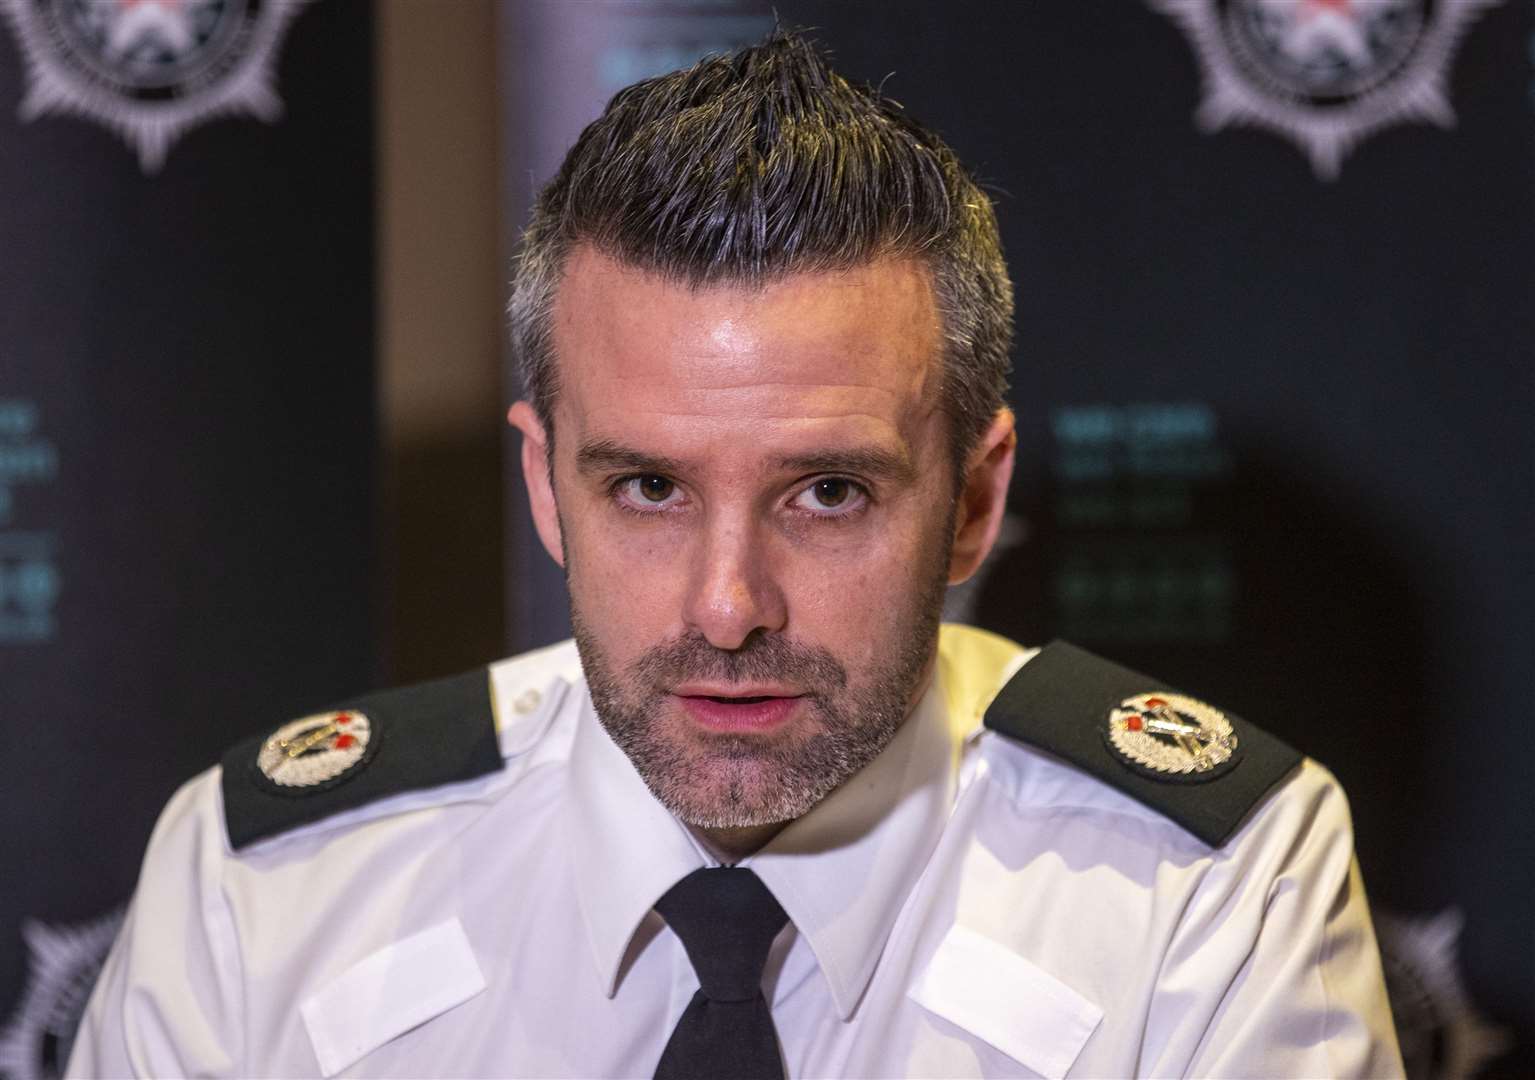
{"x":858,"y":349}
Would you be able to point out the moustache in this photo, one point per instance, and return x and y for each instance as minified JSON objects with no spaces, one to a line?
{"x":761,"y":658}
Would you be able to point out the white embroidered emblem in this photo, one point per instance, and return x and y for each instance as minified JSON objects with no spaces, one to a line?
{"x":315,"y":749}
{"x":63,"y":963}
{"x":1441,"y":1030}
{"x":150,"y":70}
{"x":1325,"y":73}
{"x":1171,"y":734}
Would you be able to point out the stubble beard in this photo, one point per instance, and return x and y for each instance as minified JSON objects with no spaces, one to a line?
{"x":721,"y":781}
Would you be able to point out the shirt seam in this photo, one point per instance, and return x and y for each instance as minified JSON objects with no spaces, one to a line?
{"x":1182,"y":837}
{"x":1015,"y":798}
{"x":230,"y":954}
{"x":1324,"y":952}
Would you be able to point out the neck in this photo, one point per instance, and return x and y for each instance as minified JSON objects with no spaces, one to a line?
{"x":730,"y":846}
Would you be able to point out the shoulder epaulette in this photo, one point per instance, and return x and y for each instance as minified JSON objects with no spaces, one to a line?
{"x":367,"y":748}
{"x":1202,"y":768}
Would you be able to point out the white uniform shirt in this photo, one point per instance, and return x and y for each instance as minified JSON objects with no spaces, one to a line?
{"x":964,"y":906}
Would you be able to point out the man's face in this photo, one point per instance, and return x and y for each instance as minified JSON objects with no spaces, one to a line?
{"x":752,"y":498}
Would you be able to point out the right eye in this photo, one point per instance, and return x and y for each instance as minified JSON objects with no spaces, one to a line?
{"x":647,"y":493}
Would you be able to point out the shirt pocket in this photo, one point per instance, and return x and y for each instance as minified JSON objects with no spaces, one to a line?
{"x":1006,"y":1001}
{"x":390,"y":991}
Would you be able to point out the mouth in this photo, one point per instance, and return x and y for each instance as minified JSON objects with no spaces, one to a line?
{"x":751,"y":711}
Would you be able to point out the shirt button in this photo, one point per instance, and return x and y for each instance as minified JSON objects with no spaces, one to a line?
{"x":527,"y":702}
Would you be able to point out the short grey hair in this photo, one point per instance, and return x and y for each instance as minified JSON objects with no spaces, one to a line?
{"x":744,"y":169}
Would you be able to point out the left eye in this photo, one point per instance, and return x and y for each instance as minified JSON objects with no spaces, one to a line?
{"x":831,"y":496}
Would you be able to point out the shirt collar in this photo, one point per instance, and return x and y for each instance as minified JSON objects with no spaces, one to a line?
{"x":628,"y":849}
{"x":844,"y":870}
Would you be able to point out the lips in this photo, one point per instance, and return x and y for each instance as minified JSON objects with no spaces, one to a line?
{"x":748,"y":710}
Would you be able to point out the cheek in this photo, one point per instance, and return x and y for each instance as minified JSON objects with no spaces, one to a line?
{"x":626,"y":583}
{"x":856,"y":597}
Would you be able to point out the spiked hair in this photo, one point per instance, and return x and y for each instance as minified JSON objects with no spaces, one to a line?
{"x":744,"y":169}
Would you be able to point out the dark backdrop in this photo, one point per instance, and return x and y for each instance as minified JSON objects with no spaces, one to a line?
{"x":1274,"y":430}
{"x":190,"y":357}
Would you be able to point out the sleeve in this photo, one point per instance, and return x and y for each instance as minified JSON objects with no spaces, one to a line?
{"x":1274,"y":970}
{"x":168,"y":1001}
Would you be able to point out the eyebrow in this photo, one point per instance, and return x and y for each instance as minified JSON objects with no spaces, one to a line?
{"x":605,"y":455}
{"x":871,"y":461}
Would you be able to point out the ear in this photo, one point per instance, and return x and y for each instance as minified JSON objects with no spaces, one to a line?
{"x":983,"y":500}
{"x":537,"y":471}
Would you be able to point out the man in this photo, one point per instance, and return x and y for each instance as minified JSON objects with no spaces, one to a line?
{"x":751,"y":822}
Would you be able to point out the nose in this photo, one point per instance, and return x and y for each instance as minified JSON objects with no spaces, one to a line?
{"x":732,"y":591}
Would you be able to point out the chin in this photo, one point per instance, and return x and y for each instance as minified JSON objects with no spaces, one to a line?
{"x":734,"y":790}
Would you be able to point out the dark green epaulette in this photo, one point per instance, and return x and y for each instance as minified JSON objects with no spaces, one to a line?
{"x":364,"y":749}
{"x":1200,"y":767}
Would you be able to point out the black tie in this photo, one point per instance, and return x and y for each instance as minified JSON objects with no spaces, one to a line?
{"x":727,"y":920}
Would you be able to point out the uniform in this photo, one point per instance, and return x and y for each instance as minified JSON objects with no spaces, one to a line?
{"x":967,"y":905}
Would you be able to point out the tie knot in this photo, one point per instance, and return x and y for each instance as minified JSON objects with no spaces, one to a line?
{"x":727,"y":920}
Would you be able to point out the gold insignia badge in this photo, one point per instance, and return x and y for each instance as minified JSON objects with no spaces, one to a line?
{"x":315,"y":749}
{"x":1172,"y":735}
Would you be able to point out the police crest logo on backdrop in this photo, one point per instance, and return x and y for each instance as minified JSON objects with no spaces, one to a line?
{"x":150,"y":70}
{"x":1442,"y":1032}
{"x":64,"y":962}
{"x":1325,"y":73}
